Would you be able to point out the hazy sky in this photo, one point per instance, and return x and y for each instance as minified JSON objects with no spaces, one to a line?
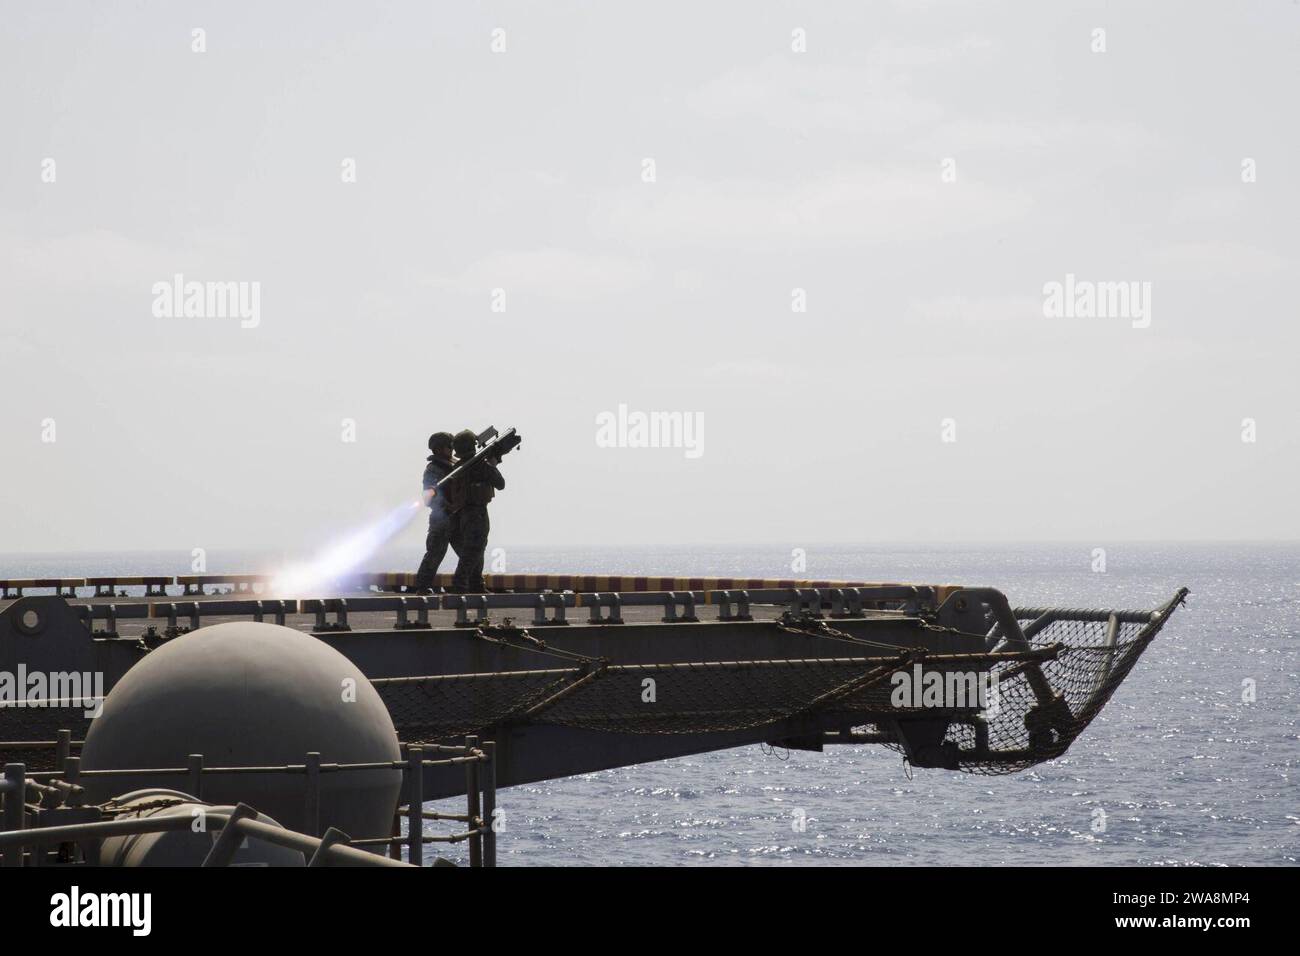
{"x":524,"y":170}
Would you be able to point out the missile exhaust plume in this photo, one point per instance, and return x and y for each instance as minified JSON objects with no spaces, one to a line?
{"x":332,"y":567}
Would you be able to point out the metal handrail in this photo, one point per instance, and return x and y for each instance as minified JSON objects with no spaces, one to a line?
{"x":174,"y":610}
{"x":480,"y":783}
{"x":343,"y":851}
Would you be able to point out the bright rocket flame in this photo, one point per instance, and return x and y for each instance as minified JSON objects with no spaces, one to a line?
{"x":341,"y":559}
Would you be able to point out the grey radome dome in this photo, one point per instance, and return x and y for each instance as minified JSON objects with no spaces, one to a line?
{"x":253,"y":694}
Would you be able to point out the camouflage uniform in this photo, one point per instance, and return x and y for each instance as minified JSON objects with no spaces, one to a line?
{"x":469,"y":501}
{"x":442,"y":524}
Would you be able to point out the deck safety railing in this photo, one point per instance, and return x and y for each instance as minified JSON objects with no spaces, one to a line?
{"x":395,"y":581}
{"x":24,"y":793}
{"x":548,"y":608}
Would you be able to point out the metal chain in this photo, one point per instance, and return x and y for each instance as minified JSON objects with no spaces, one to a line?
{"x":807,"y":624}
{"x":114,"y":806}
{"x":502,"y":633}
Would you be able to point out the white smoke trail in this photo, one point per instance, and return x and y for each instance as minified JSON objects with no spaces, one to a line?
{"x":331,"y":569}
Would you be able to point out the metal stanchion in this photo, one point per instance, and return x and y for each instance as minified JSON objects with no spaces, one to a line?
{"x":472,"y":802}
{"x":415,"y":806}
{"x":196,"y":776}
{"x":489,"y":782}
{"x":394,"y":847}
{"x":63,"y":749}
{"x":15,"y":796}
{"x":311,"y":811}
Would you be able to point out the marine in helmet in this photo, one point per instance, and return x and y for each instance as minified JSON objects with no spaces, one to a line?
{"x":469,"y":498}
{"x":441,"y":519}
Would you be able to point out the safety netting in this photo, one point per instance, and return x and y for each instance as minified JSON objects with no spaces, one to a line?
{"x":1043,"y":708}
{"x":684,"y":698}
{"x":1046,"y":690}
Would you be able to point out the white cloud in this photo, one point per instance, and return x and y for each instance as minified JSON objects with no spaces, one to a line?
{"x":960,"y":308}
{"x":1218,"y":259}
{"x":728,"y":374}
{"x":1068,"y":138}
{"x":11,"y":345}
{"x":872,"y":95}
{"x":864,"y":204}
{"x":788,"y":93}
{"x":95,"y":257}
{"x":1208,"y":205}
{"x":545,"y":178}
{"x":552,"y":273}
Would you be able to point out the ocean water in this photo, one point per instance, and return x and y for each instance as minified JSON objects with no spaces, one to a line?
{"x":1182,"y":770}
